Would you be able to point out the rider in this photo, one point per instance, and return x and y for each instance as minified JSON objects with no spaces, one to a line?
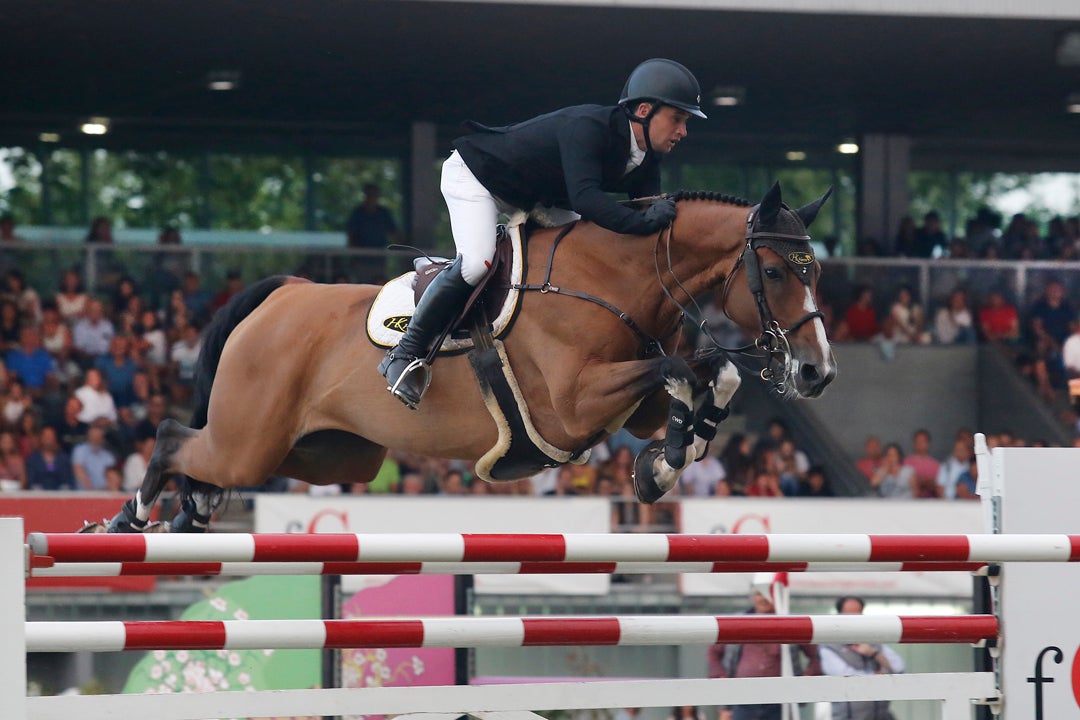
{"x":565,"y":161}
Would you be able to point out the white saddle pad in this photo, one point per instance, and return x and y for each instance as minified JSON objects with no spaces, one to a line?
{"x":389,"y":314}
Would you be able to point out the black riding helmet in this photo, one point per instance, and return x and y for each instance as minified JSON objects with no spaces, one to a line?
{"x":665,"y":82}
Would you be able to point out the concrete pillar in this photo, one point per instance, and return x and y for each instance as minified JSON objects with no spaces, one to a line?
{"x":885,"y":161}
{"x":423,"y":187}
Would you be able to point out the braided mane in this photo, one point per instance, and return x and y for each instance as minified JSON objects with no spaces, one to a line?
{"x":708,"y":195}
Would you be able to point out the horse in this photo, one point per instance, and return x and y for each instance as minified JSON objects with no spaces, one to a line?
{"x":287,"y":385}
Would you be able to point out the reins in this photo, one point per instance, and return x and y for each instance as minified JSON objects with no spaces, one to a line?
{"x":650,"y":344}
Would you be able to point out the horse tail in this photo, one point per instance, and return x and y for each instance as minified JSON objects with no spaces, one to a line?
{"x":217,"y":332}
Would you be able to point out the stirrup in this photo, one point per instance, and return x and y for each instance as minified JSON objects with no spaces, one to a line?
{"x":416,"y":365}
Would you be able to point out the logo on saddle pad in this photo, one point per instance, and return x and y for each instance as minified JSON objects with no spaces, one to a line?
{"x":399,"y":323}
{"x":801,"y":258}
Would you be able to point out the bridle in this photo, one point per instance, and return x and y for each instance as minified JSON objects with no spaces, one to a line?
{"x":794,"y":249}
{"x":797,"y":252}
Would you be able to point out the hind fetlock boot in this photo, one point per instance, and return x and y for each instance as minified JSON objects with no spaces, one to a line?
{"x":404,"y":367}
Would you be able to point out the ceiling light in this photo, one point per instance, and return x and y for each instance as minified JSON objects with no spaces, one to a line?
{"x":848,"y":147}
{"x":728,"y":96}
{"x":1072,"y":103}
{"x":795,"y":155}
{"x":49,"y":137}
{"x":1068,"y":49}
{"x":95,"y":126}
{"x":223,"y":80}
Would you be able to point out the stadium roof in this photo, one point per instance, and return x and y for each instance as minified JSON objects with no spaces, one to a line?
{"x":324,"y":73}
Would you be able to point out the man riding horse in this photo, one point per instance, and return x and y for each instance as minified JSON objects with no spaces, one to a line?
{"x":565,"y":161}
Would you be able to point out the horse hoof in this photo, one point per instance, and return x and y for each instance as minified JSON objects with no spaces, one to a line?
{"x":645,"y":487}
{"x":126,"y":521}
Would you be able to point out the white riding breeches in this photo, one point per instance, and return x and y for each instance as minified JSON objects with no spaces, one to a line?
{"x":474,"y":213}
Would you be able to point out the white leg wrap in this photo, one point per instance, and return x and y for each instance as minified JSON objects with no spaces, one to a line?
{"x":724,"y":387}
{"x":142,"y":511}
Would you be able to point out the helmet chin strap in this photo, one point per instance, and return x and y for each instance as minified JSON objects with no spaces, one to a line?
{"x":644,"y":122}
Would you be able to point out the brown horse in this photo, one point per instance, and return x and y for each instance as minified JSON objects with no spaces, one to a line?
{"x":288,"y":385}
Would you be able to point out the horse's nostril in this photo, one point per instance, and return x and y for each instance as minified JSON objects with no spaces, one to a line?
{"x":809,"y":373}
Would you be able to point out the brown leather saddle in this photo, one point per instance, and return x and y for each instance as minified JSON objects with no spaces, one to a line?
{"x":483,"y":306}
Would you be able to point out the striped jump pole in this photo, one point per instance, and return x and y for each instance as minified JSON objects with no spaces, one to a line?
{"x":560,"y":548}
{"x":249,"y":569}
{"x":473,"y":632}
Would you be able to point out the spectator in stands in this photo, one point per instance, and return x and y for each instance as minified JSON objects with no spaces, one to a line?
{"x":26,"y":298}
{"x":32,"y":363}
{"x":860,"y":319}
{"x":1052,"y":315}
{"x":953,"y":467}
{"x":90,"y":459}
{"x":905,"y":242}
{"x":196,"y":298}
{"x":49,"y":467}
{"x":370,"y":224}
{"x":12,"y":466}
{"x":859,"y":659}
{"x":893,"y":479}
{"x":234,"y":283}
{"x":28,"y":432}
{"x":157,"y":409}
{"x":98,"y":407}
{"x":930,"y":239}
{"x":564,"y":483}
{"x":7,"y":229}
{"x":100,"y":231}
{"x":793,"y":466}
{"x":758,"y":660}
{"x":70,"y":430}
{"x":15,"y":403}
{"x":953,"y":323}
{"x":1070,"y":352}
{"x":703,"y":478}
{"x":57,"y":341}
{"x":453,"y":483}
{"x":185,"y":356}
{"x":871,"y":459}
{"x":967,"y":483}
{"x":71,"y":300}
{"x":92,"y":334}
{"x":816,"y":484}
{"x":136,"y":463}
{"x":981,"y":232}
{"x":998,"y":319}
{"x":907,"y":322}
{"x":738,"y":463}
{"x":924,"y":484}
{"x":766,"y":484}
{"x":10,"y":325}
{"x":118,"y":371}
{"x":412,"y":483}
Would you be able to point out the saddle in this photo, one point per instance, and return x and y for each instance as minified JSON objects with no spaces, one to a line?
{"x":486,"y":301}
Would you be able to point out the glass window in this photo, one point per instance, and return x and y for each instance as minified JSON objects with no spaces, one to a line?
{"x":257,"y":192}
{"x":144,"y":190}
{"x":20,"y":185}
{"x":63,"y":186}
{"x":339,"y":187}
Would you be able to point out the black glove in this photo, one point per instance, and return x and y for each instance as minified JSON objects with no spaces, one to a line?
{"x":659,"y":214}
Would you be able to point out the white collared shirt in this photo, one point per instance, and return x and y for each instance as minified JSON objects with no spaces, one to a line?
{"x":637,"y":155}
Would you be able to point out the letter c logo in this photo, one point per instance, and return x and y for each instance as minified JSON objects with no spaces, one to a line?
{"x":1076,"y":676}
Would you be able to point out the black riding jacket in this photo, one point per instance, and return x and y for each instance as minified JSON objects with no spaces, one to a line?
{"x":571,"y":159}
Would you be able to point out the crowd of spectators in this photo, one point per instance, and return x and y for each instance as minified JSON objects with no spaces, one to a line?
{"x":983,"y":238}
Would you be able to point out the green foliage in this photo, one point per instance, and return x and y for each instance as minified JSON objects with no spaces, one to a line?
{"x":144,"y":189}
{"x":339,"y":187}
{"x":257,"y":192}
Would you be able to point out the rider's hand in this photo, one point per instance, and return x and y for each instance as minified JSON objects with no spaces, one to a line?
{"x":659,"y":214}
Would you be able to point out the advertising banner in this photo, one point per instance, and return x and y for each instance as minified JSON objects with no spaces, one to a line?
{"x":432,"y":514}
{"x":1040,"y":494}
{"x":750,"y":516}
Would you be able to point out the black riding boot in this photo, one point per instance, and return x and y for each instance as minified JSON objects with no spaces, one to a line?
{"x":404,"y":367}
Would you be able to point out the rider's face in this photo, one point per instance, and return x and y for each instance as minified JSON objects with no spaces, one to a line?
{"x":667,"y":127}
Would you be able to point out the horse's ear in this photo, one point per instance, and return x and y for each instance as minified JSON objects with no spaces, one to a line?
{"x":807,"y":213}
{"x":770,"y":204}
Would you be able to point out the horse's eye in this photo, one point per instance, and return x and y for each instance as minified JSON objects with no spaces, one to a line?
{"x":773,"y":273}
